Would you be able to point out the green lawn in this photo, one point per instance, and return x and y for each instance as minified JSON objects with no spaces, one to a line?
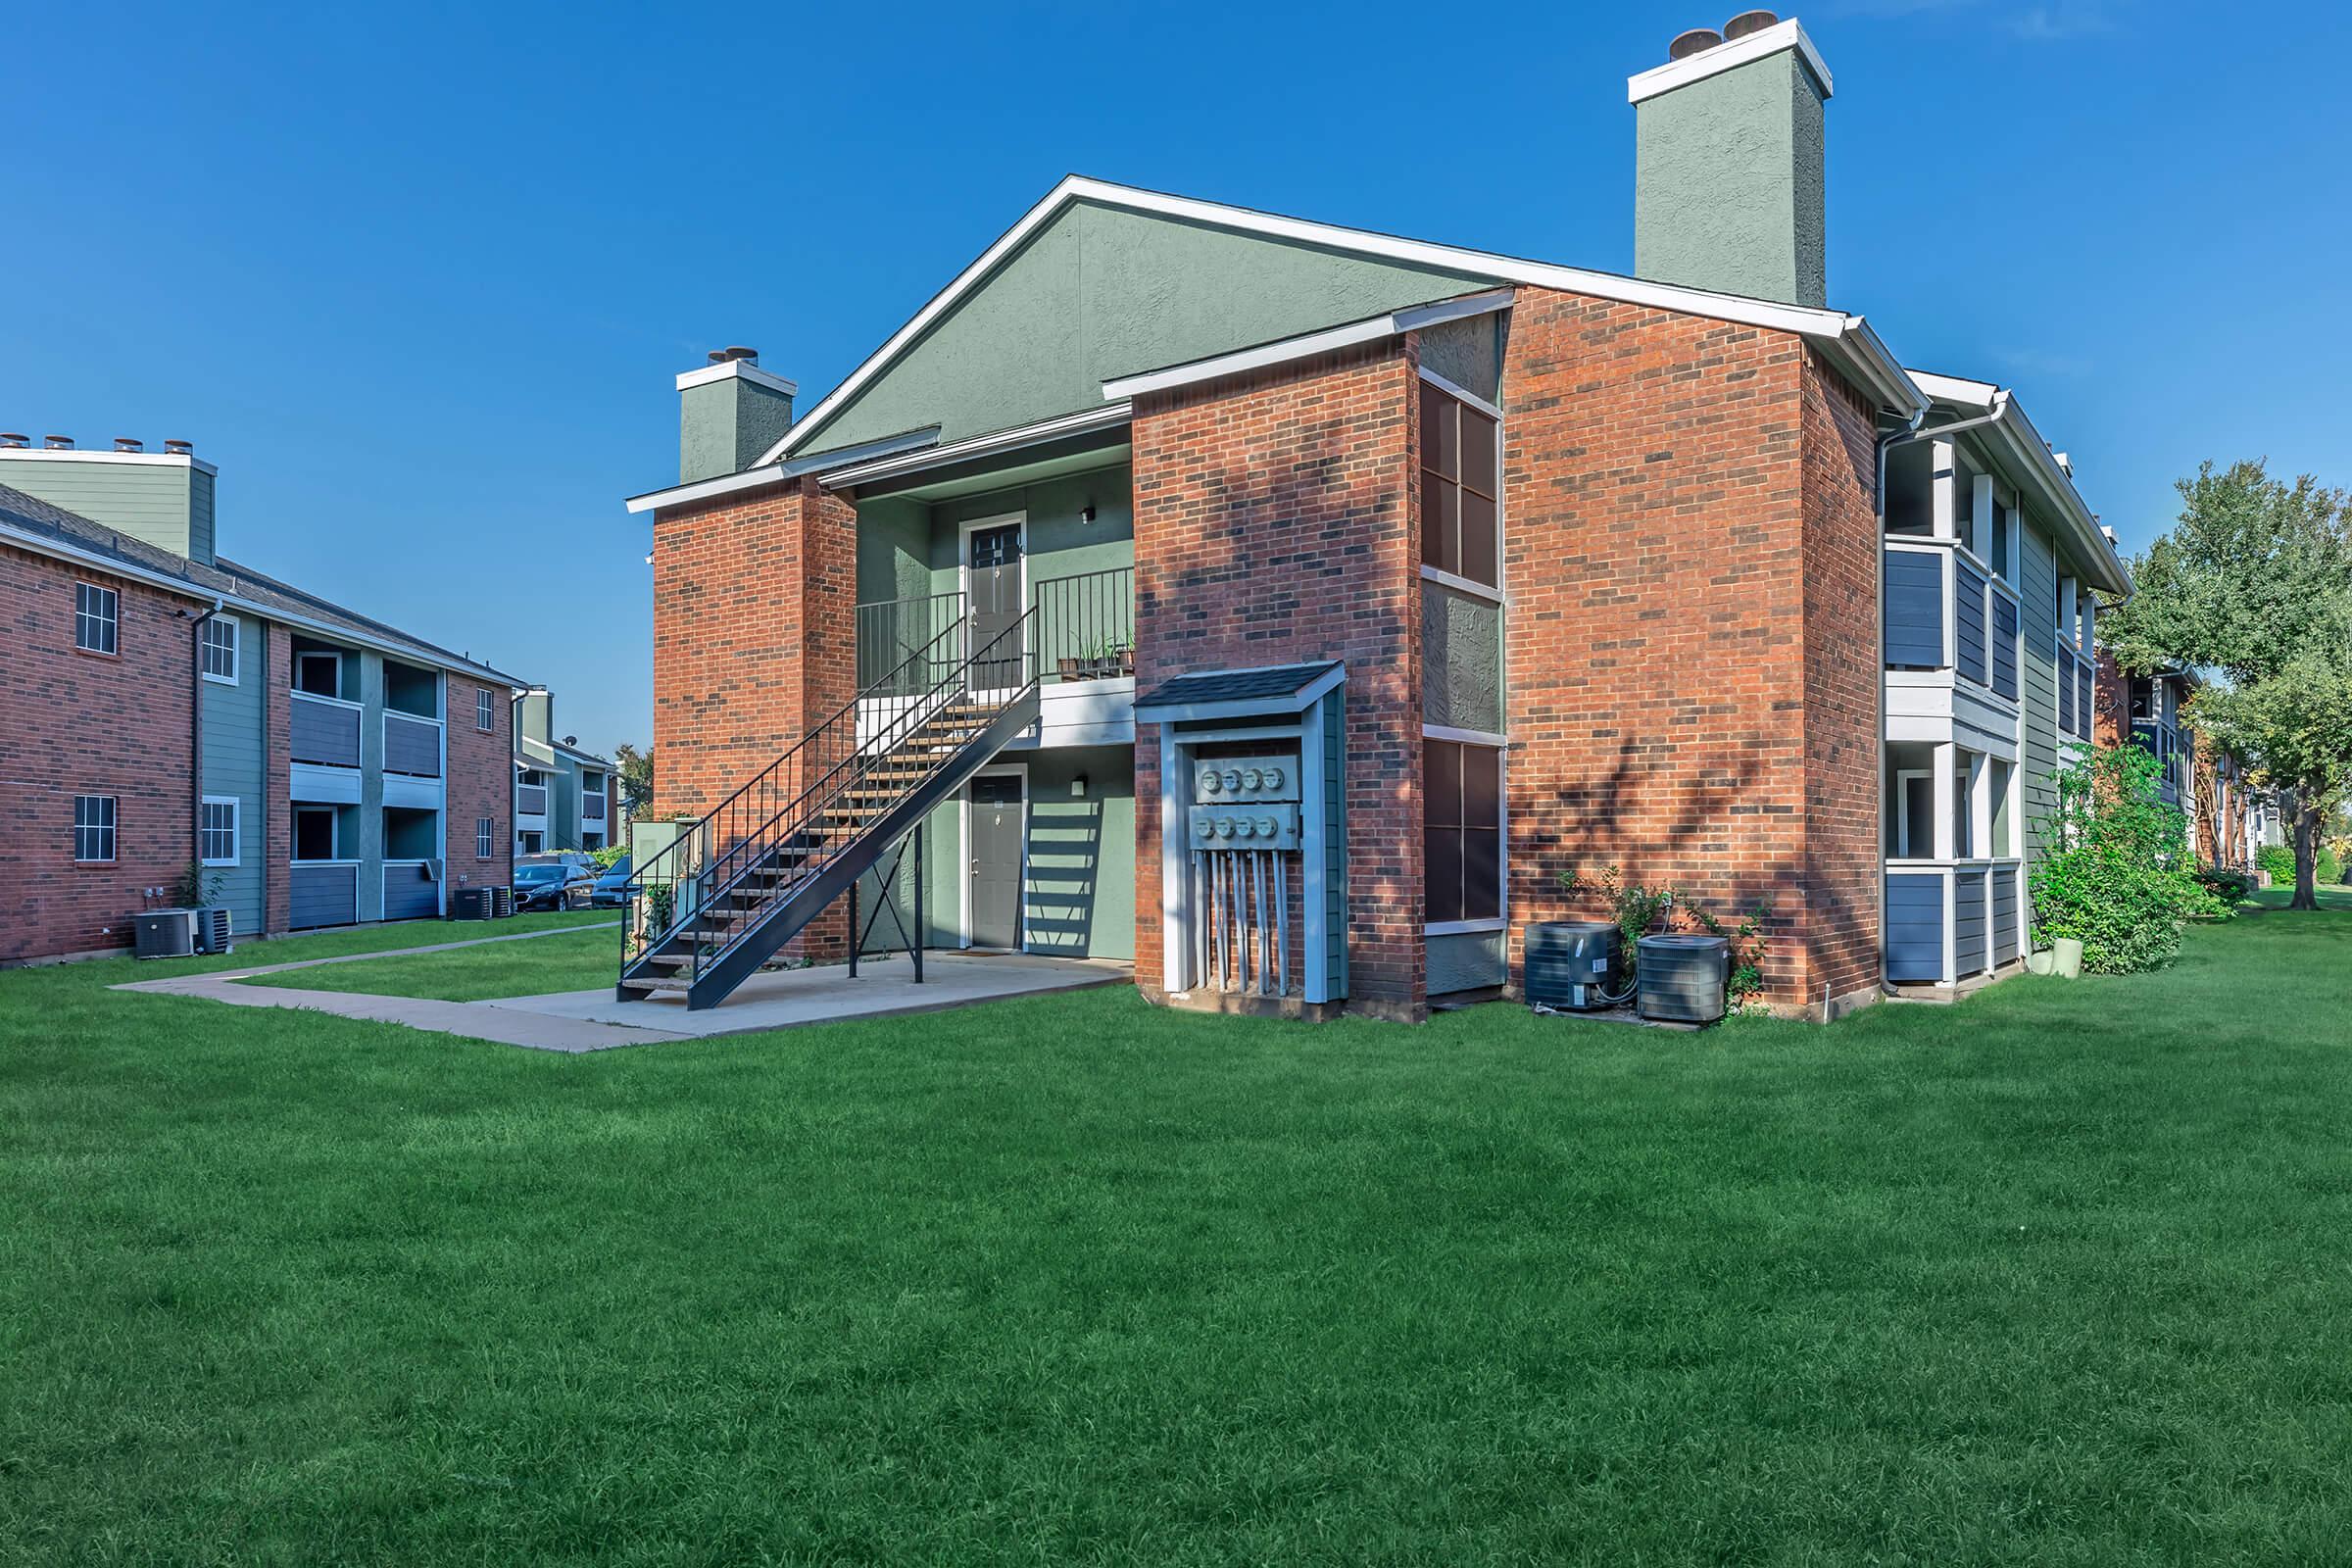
{"x":2055,"y":1276}
{"x":582,"y":962}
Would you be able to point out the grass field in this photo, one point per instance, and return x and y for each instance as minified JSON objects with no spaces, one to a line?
{"x":582,"y":962}
{"x":2054,"y":1276}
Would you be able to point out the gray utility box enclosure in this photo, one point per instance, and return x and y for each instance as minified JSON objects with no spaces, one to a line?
{"x":1571,"y":963}
{"x":1683,"y":978}
{"x":163,"y":933}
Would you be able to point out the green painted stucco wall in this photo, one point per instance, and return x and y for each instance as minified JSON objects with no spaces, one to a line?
{"x":1469,"y":352}
{"x":1461,"y":659}
{"x":909,"y":547}
{"x":725,"y":425}
{"x":1729,"y":183}
{"x":1102,"y":292}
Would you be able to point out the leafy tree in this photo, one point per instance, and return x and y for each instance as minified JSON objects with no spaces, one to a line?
{"x":636,"y":773}
{"x":2255,"y":581}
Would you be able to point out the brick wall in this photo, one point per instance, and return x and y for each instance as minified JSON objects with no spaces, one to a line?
{"x":81,"y":723}
{"x":1691,"y":551}
{"x":1274,"y":524}
{"x":480,"y":783}
{"x":753,"y":642}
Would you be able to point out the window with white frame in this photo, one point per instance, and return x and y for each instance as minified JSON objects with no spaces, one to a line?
{"x":485,"y":709}
{"x":1461,"y":486}
{"x":221,"y":649}
{"x":218,"y":830}
{"x":93,"y":828}
{"x":486,"y":833}
{"x":1461,"y":832}
{"x":96,"y":616}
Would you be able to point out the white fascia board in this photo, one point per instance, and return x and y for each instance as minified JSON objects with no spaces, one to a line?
{"x":979,"y":445}
{"x":1820,"y":324}
{"x":736,"y":370}
{"x":151,"y":459}
{"x":55,"y":550}
{"x":1727,"y":56}
{"x":1956,"y":389}
{"x":1307,"y":345}
{"x":773,"y":473}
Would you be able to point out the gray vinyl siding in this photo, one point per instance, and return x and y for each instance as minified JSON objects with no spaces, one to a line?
{"x":235,"y":761}
{"x":1914,"y":589}
{"x":1914,"y":927}
{"x":2038,"y":596}
{"x":2004,"y":914}
{"x":1968,"y":922}
{"x":322,"y":894}
{"x":167,"y":505}
{"x":409,"y":893}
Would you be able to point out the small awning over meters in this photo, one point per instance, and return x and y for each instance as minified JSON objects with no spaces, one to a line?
{"x":1261,"y":693}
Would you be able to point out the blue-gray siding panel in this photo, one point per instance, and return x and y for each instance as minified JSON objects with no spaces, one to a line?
{"x":325,"y":732}
{"x":2004,"y":914}
{"x":322,"y":894}
{"x":1968,"y":922}
{"x":1914,"y":588}
{"x":1968,"y":617}
{"x":409,"y":893}
{"x":411,"y":747}
{"x":2004,"y":646}
{"x":1914,"y":927}
{"x":235,"y":767}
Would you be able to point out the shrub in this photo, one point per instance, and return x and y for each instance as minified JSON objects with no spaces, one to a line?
{"x":2119,"y":877}
{"x":2280,"y":860}
{"x":2228,"y":885}
{"x":608,"y":857}
{"x":1637,"y":909}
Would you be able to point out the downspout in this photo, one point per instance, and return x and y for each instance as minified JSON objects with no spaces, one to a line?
{"x":196,"y":741}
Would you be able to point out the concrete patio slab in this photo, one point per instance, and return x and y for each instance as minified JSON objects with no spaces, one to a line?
{"x":789,"y":999}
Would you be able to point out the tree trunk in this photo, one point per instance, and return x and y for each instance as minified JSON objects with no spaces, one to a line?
{"x":2306,"y":851}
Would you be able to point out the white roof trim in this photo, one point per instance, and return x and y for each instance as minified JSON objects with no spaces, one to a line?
{"x":980,"y":446}
{"x":1724,"y":57}
{"x":158,"y":459}
{"x":733,"y":370}
{"x":1284,"y":351}
{"x":1865,"y":358}
{"x":58,"y":549}
{"x":772,"y":472}
{"x":2031,"y":455}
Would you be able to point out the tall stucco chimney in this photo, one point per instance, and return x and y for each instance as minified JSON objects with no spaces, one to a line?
{"x":1728,"y":184}
{"x":730,"y":412}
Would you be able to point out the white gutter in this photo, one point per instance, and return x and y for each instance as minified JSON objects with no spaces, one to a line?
{"x":2033,"y":455}
{"x":994,"y":443}
{"x":55,"y":550}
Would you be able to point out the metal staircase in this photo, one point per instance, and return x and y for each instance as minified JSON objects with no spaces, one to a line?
{"x":737,"y":885}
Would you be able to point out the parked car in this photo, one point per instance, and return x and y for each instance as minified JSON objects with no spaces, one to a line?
{"x":551,"y":882}
{"x":612,"y":887}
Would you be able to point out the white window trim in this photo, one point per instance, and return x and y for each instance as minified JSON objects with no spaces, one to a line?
{"x":1903,"y":812}
{"x":236,"y":649}
{"x":485,"y":705}
{"x":1503,"y":828}
{"x":236,"y":829}
{"x":963,"y":834}
{"x":111,"y":828}
{"x":111,"y":620}
{"x":1464,"y":585}
{"x":315,"y":652}
{"x":485,"y":838}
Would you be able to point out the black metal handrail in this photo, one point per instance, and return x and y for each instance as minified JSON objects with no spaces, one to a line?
{"x":890,"y":631}
{"x":747,"y":832}
{"x":1085,"y":624}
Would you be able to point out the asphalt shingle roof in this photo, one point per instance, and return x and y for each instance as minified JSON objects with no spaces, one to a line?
{"x":1236,"y":685}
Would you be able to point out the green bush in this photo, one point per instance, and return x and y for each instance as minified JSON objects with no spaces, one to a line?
{"x":2280,"y":860}
{"x":2119,"y":877}
{"x":2228,"y":885}
{"x":608,"y":857}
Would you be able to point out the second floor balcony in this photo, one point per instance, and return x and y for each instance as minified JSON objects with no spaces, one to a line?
{"x":1946,"y":613}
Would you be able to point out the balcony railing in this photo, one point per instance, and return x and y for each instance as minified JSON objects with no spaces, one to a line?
{"x":2172,"y":750}
{"x":1085,"y":630}
{"x":530,"y":800}
{"x":325,"y":729}
{"x":1952,"y":920}
{"x":1945,"y":611}
{"x":1086,"y":625}
{"x":592,"y":808}
{"x":412,"y":744}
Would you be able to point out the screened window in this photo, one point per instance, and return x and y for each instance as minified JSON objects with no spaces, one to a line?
{"x":1462,"y":833}
{"x":220,"y":830}
{"x":93,"y":827}
{"x":485,"y":713}
{"x":1461,"y":462}
{"x":94,"y":620}
{"x":221,"y":649}
{"x":485,"y":831}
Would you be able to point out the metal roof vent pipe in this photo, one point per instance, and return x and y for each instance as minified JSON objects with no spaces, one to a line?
{"x":1747,"y":22}
{"x":9,"y":439}
{"x":129,"y":443}
{"x":180,"y":449}
{"x":57,"y":443}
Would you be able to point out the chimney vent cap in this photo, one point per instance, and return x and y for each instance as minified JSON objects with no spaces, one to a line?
{"x":1747,"y":22}
{"x":129,"y":443}
{"x":12,"y":438}
{"x":1696,"y":41}
{"x":57,"y":443}
{"x":180,"y":449}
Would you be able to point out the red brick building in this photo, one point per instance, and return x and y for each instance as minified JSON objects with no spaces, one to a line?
{"x":1363,"y":591}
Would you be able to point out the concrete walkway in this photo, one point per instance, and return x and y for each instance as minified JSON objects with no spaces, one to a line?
{"x":592,"y":1020}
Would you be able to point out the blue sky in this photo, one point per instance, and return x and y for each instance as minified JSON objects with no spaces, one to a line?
{"x":418,"y":279}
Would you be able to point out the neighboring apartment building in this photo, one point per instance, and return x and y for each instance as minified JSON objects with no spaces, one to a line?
{"x":563,"y":796}
{"x":171,"y":705}
{"x":2223,"y":809}
{"x":1287,"y":607}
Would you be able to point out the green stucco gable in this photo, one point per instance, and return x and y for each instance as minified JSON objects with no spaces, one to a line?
{"x":1101,"y":292}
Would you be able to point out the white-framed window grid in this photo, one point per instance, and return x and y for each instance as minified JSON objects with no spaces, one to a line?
{"x":485,"y":709}
{"x":485,"y":834}
{"x":218,"y":830}
{"x":220,"y":647}
{"x":93,"y":829}
{"x":97,"y":618}
{"x":1432,"y":902}
{"x":1455,"y":565}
